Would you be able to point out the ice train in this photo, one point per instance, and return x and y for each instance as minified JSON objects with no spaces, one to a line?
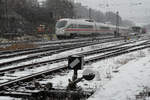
{"x":85,"y":27}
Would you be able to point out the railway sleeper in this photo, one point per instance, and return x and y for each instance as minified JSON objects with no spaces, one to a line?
{"x":2,"y":74}
{"x":30,"y":67}
{"x":44,"y":64}
{"x":21,"y":69}
{"x":36,"y":66}
{"x":11,"y":72}
{"x":53,"y":94}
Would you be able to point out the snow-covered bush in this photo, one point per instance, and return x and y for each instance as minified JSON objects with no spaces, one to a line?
{"x":141,"y":54}
{"x":124,"y":61}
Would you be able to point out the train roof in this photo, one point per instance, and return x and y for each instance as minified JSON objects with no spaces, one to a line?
{"x":90,"y":22}
{"x":69,"y":19}
{"x":81,"y":21}
{"x":77,"y":21}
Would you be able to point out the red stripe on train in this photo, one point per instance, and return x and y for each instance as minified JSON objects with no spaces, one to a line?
{"x":88,"y":30}
{"x":79,"y":29}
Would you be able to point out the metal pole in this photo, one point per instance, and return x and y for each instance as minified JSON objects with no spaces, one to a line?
{"x":7,"y":18}
{"x":75,"y":75}
{"x":90,"y":13}
{"x":117,"y":23}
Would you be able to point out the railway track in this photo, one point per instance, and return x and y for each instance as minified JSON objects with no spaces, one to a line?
{"x":17,"y":42}
{"x":106,"y":49}
{"x":47,"y":45}
{"x":45,"y":42}
{"x":40,"y":50}
{"x":73,"y":40}
{"x":51,"y":45}
{"x":49,"y":52}
{"x":115,"y":52}
{"x":103,"y":50}
{"x":46,"y":51}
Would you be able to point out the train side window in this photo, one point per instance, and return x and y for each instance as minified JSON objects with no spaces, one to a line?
{"x":72,"y":26}
{"x":80,"y":26}
{"x":85,"y":26}
{"x":136,"y":29}
{"x":105,"y":28}
{"x":90,"y":26}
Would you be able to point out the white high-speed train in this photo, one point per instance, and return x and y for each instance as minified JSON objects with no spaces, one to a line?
{"x":81,"y":27}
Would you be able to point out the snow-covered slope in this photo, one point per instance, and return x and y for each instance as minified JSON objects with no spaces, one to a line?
{"x":132,"y":75}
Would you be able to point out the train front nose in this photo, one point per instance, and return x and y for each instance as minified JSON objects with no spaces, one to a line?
{"x":60,"y":26}
{"x":59,"y":31}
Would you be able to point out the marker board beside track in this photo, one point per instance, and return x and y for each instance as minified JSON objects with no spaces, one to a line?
{"x":75,"y":62}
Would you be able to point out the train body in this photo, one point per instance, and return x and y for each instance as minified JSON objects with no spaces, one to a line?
{"x":138,"y":30}
{"x":86,"y":27}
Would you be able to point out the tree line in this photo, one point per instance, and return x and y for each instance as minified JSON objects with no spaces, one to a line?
{"x":27,"y":15}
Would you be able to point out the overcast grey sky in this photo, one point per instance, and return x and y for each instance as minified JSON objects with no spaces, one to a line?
{"x":135,"y":10}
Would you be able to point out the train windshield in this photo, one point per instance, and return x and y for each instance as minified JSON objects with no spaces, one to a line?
{"x":61,"y":24}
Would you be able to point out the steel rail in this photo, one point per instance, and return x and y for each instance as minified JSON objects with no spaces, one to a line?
{"x":51,"y":43}
{"x":91,"y":60}
{"x":102,"y":50}
{"x":53,"y":52}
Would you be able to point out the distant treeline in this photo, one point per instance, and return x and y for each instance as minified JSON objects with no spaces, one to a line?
{"x":26,"y":15}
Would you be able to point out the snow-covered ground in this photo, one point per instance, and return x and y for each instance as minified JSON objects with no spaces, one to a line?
{"x":132,"y":75}
{"x":118,"y":78}
{"x":8,"y":98}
